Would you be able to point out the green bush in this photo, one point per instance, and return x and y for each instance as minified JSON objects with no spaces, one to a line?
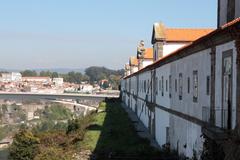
{"x":24,"y":146}
{"x":52,"y":153}
{"x":57,"y":112}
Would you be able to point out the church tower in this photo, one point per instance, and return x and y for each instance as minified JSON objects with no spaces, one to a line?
{"x":228,"y":10}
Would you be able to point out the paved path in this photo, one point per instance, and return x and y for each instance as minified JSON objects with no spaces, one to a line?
{"x":140,"y":128}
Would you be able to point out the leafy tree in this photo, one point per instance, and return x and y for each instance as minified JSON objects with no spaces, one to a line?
{"x":100,"y":73}
{"x":45,"y":74}
{"x":24,"y":146}
{"x":57,"y":112}
{"x":29,"y":73}
{"x":54,"y":75}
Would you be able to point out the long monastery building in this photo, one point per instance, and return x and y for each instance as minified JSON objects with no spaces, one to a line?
{"x":190,"y":91}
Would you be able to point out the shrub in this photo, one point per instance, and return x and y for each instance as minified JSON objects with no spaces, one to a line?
{"x":24,"y":146}
{"x":52,"y":153}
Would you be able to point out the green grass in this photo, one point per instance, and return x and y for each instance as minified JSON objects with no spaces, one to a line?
{"x":112,"y":131}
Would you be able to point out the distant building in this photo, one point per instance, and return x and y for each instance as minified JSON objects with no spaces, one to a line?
{"x":37,"y":79}
{"x":86,"y":88}
{"x":11,"y":77}
{"x":58,"y":81}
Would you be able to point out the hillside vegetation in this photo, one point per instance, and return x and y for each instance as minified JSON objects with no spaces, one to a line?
{"x":107,"y":133}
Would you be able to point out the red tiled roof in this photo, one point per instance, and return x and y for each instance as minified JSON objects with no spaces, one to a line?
{"x":185,"y":35}
{"x":148,"y":53}
{"x":160,"y":32}
{"x":133,"y":61}
{"x":196,"y":42}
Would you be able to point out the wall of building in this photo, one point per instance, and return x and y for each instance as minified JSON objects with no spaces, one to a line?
{"x":171,"y":47}
{"x":147,"y":62}
{"x":218,"y":85}
{"x":200,"y":62}
{"x":223,"y":12}
{"x":185,"y":137}
{"x":133,"y":69}
{"x":162,"y":122}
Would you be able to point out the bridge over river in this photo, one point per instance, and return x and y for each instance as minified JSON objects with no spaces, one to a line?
{"x":48,"y":96}
{"x":85,"y":101}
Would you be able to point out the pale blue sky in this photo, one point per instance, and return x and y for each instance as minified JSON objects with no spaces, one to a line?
{"x":82,"y":33}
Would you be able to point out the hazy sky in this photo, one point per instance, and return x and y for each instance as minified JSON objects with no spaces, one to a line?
{"x":82,"y":33}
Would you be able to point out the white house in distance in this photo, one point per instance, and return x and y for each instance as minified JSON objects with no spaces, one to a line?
{"x":45,"y":80}
{"x":58,"y":81}
{"x":11,"y":77}
{"x":167,"y":40}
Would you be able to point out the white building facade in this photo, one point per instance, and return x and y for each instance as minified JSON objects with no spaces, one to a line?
{"x":11,"y":77}
{"x":190,"y":92}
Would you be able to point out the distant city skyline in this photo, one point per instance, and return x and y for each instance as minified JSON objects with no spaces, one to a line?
{"x":78,"y":34}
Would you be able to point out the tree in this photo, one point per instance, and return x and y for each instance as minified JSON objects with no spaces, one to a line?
{"x":55,"y":75}
{"x":25,"y":146}
{"x":29,"y":73}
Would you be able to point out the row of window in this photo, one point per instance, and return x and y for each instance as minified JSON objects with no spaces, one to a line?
{"x":161,"y":82}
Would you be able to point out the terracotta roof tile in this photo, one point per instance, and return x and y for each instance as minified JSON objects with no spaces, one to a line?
{"x":196,"y":42}
{"x":133,"y":61}
{"x":185,"y":35}
{"x":148,"y":53}
{"x":160,"y":32}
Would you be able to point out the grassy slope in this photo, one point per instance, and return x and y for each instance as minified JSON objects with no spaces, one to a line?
{"x":113,"y":131}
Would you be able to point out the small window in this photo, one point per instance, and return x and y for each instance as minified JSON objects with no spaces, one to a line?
{"x":180,"y":86}
{"x":145,"y":86}
{"x":156,"y":88}
{"x":170,"y":86}
{"x":208,"y":85}
{"x":162,"y":86}
{"x":188,"y":85}
{"x":195,"y":86}
{"x":148,"y":86}
{"x":175,"y":85}
{"x":166,"y":85}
